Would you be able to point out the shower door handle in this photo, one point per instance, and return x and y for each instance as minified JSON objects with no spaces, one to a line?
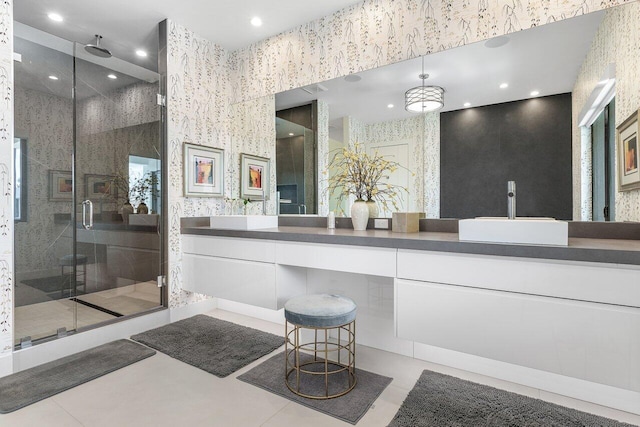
{"x":86,"y":226}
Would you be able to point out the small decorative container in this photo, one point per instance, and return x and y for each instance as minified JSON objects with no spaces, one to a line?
{"x":405,"y":222}
{"x":331,"y":220}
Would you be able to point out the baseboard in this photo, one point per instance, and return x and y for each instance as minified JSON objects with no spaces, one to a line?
{"x":6,"y":365}
{"x":274,"y":316}
{"x":55,"y":349}
{"x":200,"y":307}
{"x":600,"y":394}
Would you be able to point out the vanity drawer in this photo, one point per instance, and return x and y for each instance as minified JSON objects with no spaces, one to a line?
{"x":350,"y":259}
{"x":593,"y":342}
{"x":609,"y":284}
{"x":247,"y":282}
{"x":230,"y":247}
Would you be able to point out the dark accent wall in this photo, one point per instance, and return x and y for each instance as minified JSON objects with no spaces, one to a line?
{"x":524,"y":141}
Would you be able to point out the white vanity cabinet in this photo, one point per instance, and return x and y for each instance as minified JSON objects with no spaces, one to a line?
{"x":241,"y":270}
{"x":567,"y":327}
{"x":574,"y":319}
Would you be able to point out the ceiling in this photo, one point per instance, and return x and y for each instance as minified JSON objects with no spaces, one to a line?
{"x":545,"y":58}
{"x":127,"y":25}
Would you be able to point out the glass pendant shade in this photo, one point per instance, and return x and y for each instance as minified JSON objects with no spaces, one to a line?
{"x":422,"y":99}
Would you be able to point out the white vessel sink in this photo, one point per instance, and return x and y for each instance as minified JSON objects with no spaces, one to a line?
{"x":243,"y":222}
{"x":534,"y":231}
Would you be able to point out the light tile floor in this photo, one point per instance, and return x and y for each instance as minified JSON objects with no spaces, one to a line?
{"x":43,"y":319}
{"x":160,"y":391}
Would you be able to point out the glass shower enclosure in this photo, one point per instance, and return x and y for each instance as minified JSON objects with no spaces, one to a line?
{"x":88,"y":243}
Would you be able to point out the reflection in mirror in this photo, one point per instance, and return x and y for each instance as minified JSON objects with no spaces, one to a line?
{"x":20,"y":179}
{"x":296,"y":159}
{"x":517,"y":71}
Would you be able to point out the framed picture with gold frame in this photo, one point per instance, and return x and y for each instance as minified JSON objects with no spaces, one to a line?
{"x":254,"y":177}
{"x":628,"y":155}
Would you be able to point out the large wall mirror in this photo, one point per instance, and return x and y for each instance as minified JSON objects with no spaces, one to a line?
{"x":538,"y":106}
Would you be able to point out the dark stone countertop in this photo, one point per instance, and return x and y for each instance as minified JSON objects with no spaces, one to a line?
{"x":615,"y":251}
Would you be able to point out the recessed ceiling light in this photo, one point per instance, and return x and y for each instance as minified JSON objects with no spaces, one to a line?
{"x":290,"y":133}
{"x":256,"y":21}
{"x":504,"y":85}
{"x":55,"y":17}
{"x":390,"y":105}
{"x":141,"y":53}
{"x":52,"y":77}
{"x":112,"y":76}
{"x":467,"y":104}
{"x":535,"y":93}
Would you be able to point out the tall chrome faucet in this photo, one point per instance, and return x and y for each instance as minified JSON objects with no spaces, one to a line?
{"x":511,"y":200}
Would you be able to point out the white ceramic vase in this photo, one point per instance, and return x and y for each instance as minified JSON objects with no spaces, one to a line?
{"x":373,"y":209}
{"x":359,"y":215}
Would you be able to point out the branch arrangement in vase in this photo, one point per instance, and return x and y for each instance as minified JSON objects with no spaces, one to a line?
{"x":365,"y":176}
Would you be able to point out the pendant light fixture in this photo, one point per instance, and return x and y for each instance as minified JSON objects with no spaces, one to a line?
{"x":422,"y":99}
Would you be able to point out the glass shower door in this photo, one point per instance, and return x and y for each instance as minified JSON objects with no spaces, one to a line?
{"x":118,"y":189}
{"x":43,"y":173}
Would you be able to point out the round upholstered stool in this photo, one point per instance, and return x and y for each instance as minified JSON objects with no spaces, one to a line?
{"x":80,"y":260}
{"x":320,"y":368}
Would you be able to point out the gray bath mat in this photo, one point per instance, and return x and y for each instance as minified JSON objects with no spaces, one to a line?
{"x":439,"y":400}
{"x":269,"y":375}
{"x":213,"y":345}
{"x":32,"y":385}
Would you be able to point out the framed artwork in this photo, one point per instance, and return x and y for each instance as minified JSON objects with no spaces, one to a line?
{"x":60,"y":186}
{"x":628,"y":155}
{"x":254,"y":177}
{"x":203,"y":171}
{"x":100,"y":187}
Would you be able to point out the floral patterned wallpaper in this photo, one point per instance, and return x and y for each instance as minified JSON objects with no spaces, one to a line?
{"x":46,"y":122}
{"x":251,"y":134}
{"x":127,"y":106}
{"x":380,"y":32}
{"x":6,"y":177}
{"x":198,"y":112}
{"x":617,"y":41}
{"x":323,"y":158}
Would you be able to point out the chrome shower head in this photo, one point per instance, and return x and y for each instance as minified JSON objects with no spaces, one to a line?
{"x":97,"y":50}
